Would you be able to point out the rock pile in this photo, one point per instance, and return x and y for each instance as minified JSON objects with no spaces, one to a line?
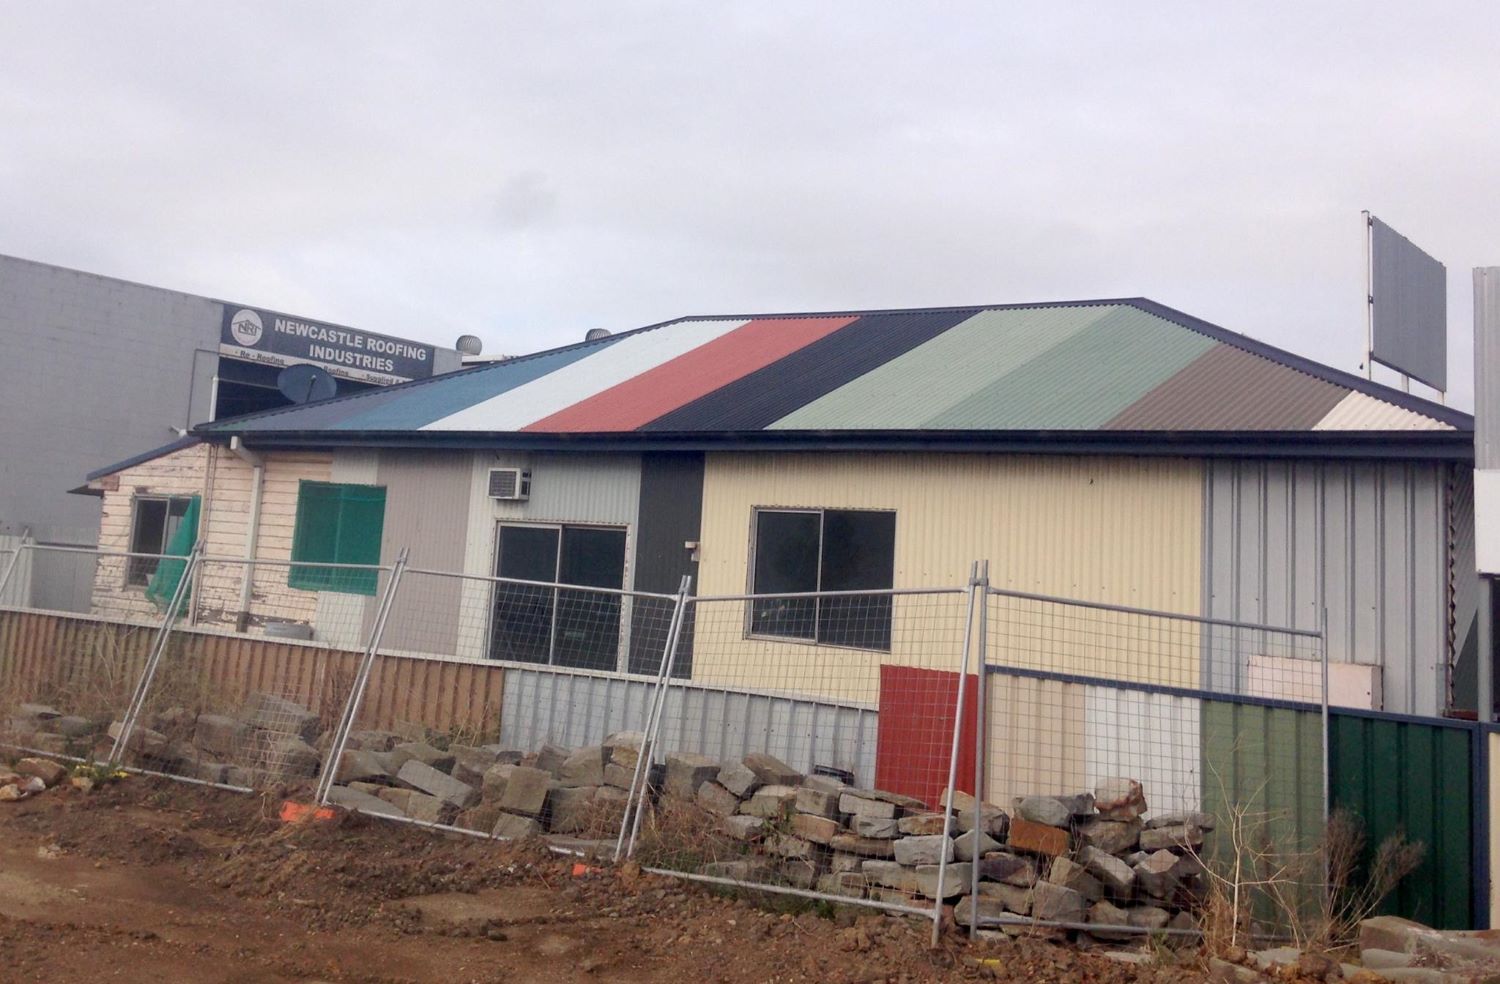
{"x":29,"y":777}
{"x":1090,"y":858}
{"x":491,"y":788}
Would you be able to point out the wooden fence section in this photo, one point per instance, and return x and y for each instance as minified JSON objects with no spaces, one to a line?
{"x":89,"y":666}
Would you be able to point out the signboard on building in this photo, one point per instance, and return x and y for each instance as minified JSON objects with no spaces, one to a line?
{"x":1409,"y":307}
{"x":269,"y":338}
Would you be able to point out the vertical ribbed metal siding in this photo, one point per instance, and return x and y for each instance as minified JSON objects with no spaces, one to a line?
{"x":1367,"y":540}
{"x":1413,"y":779}
{"x":576,"y":708}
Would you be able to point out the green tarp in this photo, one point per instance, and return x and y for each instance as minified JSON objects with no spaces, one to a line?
{"x":163,"y":584}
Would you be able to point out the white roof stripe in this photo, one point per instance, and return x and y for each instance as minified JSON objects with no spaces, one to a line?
{"x":1362,"y":412}
{"x":611,"y":365}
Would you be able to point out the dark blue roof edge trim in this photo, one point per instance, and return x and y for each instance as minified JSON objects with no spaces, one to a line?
{"x":1317,"y":370}
{"x":145,"y":456}
{"x":1367,"y":445}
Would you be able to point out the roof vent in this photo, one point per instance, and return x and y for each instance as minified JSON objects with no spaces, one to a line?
{"x":594,"y":334}
{"x":469,"y":344}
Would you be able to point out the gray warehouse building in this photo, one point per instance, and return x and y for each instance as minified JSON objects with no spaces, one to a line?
{"x":98,"y":369}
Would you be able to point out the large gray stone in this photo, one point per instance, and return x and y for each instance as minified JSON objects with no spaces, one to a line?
{"x":789,"y":846}
{"x":623,"y":748}
{"x":1165,"y":838}
{"x":510,"y":826}
{"x":1008,"y":868}
{"x":470,"y":764}
{"x":686,"y":772}
{"x":956,"y":880}
{"x":277,"y":714}
{"x":993,"y":820}
{"x":862,"y":805}
{"x":923,"y":850}
{"x":739,"y":779}
{"x":819,"y":830}
{"x":1157,"y":875}
{"x":1110,"y":836}
{"x":817,"y":802}
{"x":1046,"y":810}
{"x":770,"y":801}
{"x":924,"y":825}
{"x":492,"y":784}
{"x":420,"y":751}
{"x":771,"y":770}
{"x":964,"y":845}
{"x":353,"y":799}
{"x":446,"y":788}
{"x":1117,"y":877}
{"x":1105,"y":914}
{"x":1119,"y":799}
{"x":719,"y":801}
{"x":551,"y":758}
{"x":1054,"y":903}
{"x":619,"y":776}
{"x":866,"y":847}
{"x":1071,"y":874}
{"x":850,"y":884}
{"x":571,"y":808}
{"x":430,"y":809}
{"x":585,"y":767}
{"x":1015,"y":898}
{"x":73,"y":726}
{"x":221,"y":735}
{"x":825,"y":784}
{"x":1149,"y":917}
{"x":1203,"y":821}
{"x":291,"y":757}
{"x":890,"y":874}
{"x":504,"y":754}
{"x":885,"y":828}
{"x":739,"y":826}
{"x":361,"y":766}
{"x":987,"y":910}
{"x":526,"y":791}
{"x":369,"y":740}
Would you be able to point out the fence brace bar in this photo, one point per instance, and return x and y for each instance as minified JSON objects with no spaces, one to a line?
{"x":981,"y":736}
{"x":153,"y":661}
{"x":361,"y":681}
{"x":958,"y":727}
{"x":639,"y":783}
{"x":14,"y":560}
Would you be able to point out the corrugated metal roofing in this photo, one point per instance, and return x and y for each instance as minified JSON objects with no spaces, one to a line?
{"x":1088,"y":366}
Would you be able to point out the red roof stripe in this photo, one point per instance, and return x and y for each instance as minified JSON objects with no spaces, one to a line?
{"x":640,"y":400}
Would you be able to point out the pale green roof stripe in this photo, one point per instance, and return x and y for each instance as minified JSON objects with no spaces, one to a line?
{"x":940,"y":373}
{"x":1084,"y":380}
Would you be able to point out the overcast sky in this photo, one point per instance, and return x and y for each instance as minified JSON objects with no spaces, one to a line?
{"x":525,"y":172}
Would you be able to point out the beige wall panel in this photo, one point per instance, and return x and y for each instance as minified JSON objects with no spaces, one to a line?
{"x":1112,"y":529}
{"x":1037,"y":741}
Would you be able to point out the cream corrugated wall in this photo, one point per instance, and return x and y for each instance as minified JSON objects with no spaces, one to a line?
{"x":1113,"y":529}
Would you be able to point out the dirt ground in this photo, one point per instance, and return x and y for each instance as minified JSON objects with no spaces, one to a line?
{"x":156,"y":881}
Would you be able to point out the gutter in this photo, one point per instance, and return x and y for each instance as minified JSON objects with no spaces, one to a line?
{"x":257,"y":465}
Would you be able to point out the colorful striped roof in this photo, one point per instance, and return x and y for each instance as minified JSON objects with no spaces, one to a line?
{"x":1126,"y":365}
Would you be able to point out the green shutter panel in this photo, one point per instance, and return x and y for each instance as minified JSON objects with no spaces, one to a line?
{"x":315,"y":535}
{"x":361,"y":525}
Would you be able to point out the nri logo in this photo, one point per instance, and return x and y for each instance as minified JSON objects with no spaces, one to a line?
{"x":246,"y":327}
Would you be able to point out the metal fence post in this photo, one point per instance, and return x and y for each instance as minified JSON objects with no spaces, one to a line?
{"x":15,"y":558}
{"x":639,"y":783}
{"x":958,"y":727}
{"x":153,"y":661}
{"x":361,"y":681}
{"x":981,"y":740}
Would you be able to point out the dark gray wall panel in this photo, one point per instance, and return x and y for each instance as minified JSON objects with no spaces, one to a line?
{"x":671,"y":515}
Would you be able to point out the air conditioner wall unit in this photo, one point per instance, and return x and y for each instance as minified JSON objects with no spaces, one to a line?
{"x":510,"y":484}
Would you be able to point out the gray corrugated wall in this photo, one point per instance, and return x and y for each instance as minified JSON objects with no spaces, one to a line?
{"x":579,"y":708}
{"x":426,"y":499}
{"x":1283,"y":539}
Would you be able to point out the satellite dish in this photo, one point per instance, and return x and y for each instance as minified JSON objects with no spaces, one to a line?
{"x":594,"y":334}
{"x":305,"y":383}
{"x":469,"y":344}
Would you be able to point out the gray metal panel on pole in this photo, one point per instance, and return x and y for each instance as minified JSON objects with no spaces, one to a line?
{"x":1409,"y":301}
{"x":1487,"y":367}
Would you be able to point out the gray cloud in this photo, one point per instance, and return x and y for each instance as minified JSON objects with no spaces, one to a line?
{"x":526,"y":171}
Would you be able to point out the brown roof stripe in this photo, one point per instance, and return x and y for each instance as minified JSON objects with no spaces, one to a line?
{"x":1227,"y":388}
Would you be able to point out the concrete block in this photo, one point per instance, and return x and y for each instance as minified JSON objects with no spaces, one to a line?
{"x":770,"y":801}
{"x":771,"y":770}
{"x":446,"y":788}
{"x":361,"y":766}
{"x":526,"y":791}
{"x":717,"y":800}
{"x":956,"y":880}
{"x":492,"y":783}
{"x":585,"y":767}
{"x":470,"y":764}
{"x":353,"y":799}
{"x":922,"y":825}
{"x":817,"y":802}
{"x":892,"y":875}
{"x":551,"y":758}
{"x":861,"y":805}
{"x":739,"y":779}
{"x":269,"y":712}
{"x":994,"y":821}
{"x":570,"y":808}
{"x":923,"y":850}
{"x":865,"y":847}
{"x":686,"y":772}
{"x":966,"y":847}
{"x":739,"y":826}
{"x":886,"y":828}
{"x":511,"y":826}
{"x":818,"y":830}
{"x":420,"y":751}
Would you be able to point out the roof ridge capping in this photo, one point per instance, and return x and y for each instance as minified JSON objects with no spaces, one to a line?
{"x":1305,"y":365}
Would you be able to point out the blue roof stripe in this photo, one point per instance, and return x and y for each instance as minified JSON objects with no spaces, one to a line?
{"x":422,"y":405}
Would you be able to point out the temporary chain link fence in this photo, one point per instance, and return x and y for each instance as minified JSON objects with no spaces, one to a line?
{"x":1154,"y":763}
{"x":1109,"y":771}
{"x":550,"y":751}
{"x":809,"y":747}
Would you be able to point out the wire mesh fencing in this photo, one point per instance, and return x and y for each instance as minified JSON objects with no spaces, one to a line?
{"x":812,"y":750}
{"x":70,"y":661}
{"x":1151,"y":763}
{"x":552,"y":750}
{"x":247,"y":687}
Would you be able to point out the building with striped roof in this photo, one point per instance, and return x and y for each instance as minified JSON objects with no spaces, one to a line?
{"x":1112,"y":451}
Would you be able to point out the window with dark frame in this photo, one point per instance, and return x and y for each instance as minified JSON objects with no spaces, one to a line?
{"x":556,"y":625}
{"x":813,"y":550}
{"x":154,"y":521}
